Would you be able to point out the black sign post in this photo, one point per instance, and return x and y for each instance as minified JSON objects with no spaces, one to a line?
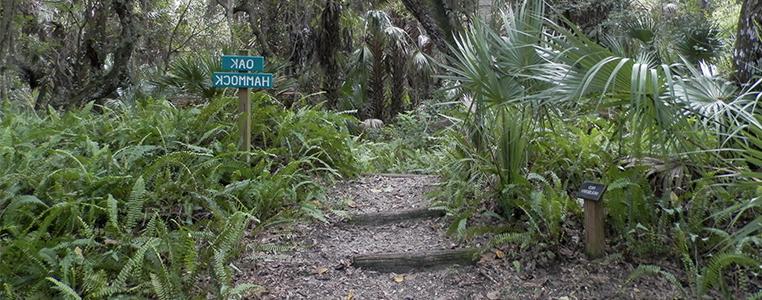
{"x":595,"y":241}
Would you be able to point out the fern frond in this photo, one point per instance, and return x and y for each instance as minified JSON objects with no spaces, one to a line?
{"x":713,"y":271}
{"x":651,"y":270}
{"x":756,"y":296}
{"x":239,"y":291}
{"x":220,"y":271}
{"x":8,"y":291}
{"x":158,"y":287}
{"x":135,"y":263}
{"x":135,"y":204}
{"x":522,"y":238}
{"x":113,"y":213}
{"x":67,"y":292}
{"x":190,"y":254}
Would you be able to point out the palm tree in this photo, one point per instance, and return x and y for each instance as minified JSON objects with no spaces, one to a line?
{"x":533,"y":68}
{"x":328,"y":48}
{"x":385,"y":57}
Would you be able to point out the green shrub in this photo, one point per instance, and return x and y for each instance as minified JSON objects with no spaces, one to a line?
{"x":144,"y":200}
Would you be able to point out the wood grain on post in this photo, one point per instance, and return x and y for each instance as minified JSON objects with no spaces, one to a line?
{"x":244,"y":109}
{"x":594,"y":234}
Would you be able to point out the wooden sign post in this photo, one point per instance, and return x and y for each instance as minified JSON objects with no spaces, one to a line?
{"x":244,"y":110}
{"x":243,"y":81}
{"x":595,"y":241}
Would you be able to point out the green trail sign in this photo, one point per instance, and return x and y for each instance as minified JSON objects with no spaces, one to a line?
{"x":242,"y":80}
{"x":243,"y":63}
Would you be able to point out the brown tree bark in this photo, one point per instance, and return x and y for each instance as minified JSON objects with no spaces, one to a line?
{"x":328,"y":48}
{"x":440,"y":33}
{"x":251,"y":12}
{"x":108,"y":83}
{"x":396,"y":63}
{"x":6,"y":41}
{"x":747,"y":56}
{"x":376,"y":92}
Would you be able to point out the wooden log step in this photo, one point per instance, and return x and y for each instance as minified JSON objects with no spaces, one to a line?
{"x":395,"y":175}
{"x":406,"y":262}
{"x":382,"y":218}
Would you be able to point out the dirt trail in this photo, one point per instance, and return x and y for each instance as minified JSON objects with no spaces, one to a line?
{"x":311,"y":260}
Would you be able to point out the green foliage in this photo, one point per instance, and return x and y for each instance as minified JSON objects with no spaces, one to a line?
{"x":546,"y":107}
{"x":413,"y":143}
{"x":146,"y":200}
{"x":701,"y":281}
{"x":191,"y":74}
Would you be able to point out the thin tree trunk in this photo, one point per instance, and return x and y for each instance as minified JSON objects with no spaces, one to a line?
{"x":170,"y":48}
{"x":396,"y":65}
{"x":328,"y":48}
{"x":485,"y":9}
{"x":376,"y":93}
{"x":6,"y":43}
{"x":264,"y":45}
{"x":748,"y":48}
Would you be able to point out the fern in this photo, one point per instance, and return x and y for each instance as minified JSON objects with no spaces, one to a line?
{"x":91,"y":230}
{"x":159,"y":288}
{"x":524,"y":239}
{"x":135,"y":204}
{"x":239,"y":291}
{"x":67,"y":292}
{"x":651,"y":270}
{"x":189,"y":254}
{"x":113,"y":213}
{"x":134,"y":263}
{"x":713,"y":271}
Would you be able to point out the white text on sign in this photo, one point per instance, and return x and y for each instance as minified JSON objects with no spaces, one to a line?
{"x":243,"y":80}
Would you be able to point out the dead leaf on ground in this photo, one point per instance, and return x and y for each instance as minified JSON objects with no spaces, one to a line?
{"x":350,"y":295}
{"x":399,"y":278}
{"x":493,"y":295}
{"x":486,"y":258}
{"x":499,"y":254}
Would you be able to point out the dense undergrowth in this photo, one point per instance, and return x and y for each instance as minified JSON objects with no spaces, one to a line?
{"x":543,"y":108}
{"x":546,"y":108}
{"x":147,"y":200}
{"x":150,"y":200}
{"x":414,"y":143}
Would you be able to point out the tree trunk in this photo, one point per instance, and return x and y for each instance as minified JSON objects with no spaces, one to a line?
{"x":328,"y":48}
{"x":439,"y":31}
{"x":6,"y":42}
{"x":485,"y":9}
{"x":748,"y":48}
{"x":377,"y":77}
{"x":396,"y":64}
{"x":106,"y":85}
{"x":264,"y":45}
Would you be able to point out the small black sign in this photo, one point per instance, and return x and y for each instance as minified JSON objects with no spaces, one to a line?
{"x":592,"y":191}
